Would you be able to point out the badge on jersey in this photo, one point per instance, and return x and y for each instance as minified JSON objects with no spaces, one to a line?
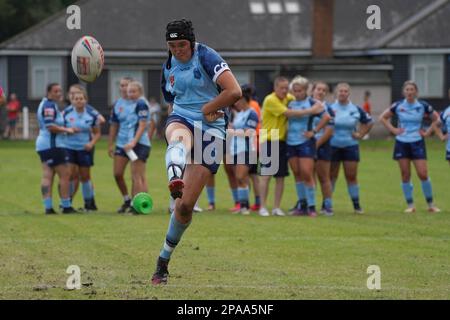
{"x":172,"y":80}
{"x":49,"y":113}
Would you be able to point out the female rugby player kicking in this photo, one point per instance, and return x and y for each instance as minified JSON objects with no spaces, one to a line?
{"x":191,"y":80}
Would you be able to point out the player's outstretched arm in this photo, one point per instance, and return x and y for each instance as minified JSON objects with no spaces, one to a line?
{"x":58,"y":129}
{"x":315,"y":109}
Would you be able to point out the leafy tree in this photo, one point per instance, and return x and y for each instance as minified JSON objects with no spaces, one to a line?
{"x":18,"y":15}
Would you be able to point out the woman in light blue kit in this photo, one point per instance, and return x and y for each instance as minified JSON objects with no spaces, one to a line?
{"x":197,"y":83}
{"x":351,"y":124}
{"x":80,"y":146}
{"x":301,"y":144}
{"x":133,"y":142}
{"x":243,"y":148}
{"x":51,"y":149}
{"x":410,"y":141}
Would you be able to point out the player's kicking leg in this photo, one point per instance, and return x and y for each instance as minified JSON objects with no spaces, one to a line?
{"x":195,"y":178}
{"x":179,"y":138}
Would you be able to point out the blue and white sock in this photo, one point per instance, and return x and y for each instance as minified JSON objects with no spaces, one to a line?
{"x":88,"y":190}
{"x":301,"y":191}
{"x":234,"y":193}
{"x":175,"y":159}
{"x":211,"y":193}
{"x":48,"y":203}
{"x":310,"y":196}
{"x":427,"y":190}
{"x":66,"y":203}
{"x":243,"y":196}
{"x":328,"y":203}
{"x":257,"y":200}
{"x":173,"y":237}
{"x":408,"y":188}
{"x":353,"y":191}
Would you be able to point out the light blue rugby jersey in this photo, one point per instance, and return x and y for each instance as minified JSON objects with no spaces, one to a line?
{"x":298,"y":126}
{"x":48,"y":115}
{"x":243,"y":120}
{"x":445,"y":118}
{"x":189,"y":86}
{"x":127,"y":114}
{"x":316,"y":120}
{"x":84,"y":121}
{"x":346,"y":120}
{"x":410,"y":118}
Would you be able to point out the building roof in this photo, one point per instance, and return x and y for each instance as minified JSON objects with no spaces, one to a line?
{"x":230,"y":26}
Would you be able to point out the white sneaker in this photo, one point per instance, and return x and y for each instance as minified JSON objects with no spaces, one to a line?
{"x":263,"y":212}
{"x":410,"y":210}
{"x":245,"y":211}
{"x":278,"y":212}
{"x":197,"y":209}
{"x":433,"y":209}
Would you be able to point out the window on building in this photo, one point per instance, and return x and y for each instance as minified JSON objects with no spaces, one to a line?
{"x":274,"y":7}
{"x":45,"y":70}
{"x":428,"y":72}
{"x":257,"y":7}
{"x":114,"y":81}
{"x":242,"y":76}
{"x":292,"y":7}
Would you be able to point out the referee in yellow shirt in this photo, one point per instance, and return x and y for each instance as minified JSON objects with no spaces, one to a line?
{"x":275,"y":114}
{"x":273,"y":117}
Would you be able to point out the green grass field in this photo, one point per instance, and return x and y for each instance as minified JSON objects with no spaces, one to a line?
{"x":224,"y":256}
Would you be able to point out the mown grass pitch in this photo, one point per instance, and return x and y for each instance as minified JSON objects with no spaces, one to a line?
{"x":224,"y":256}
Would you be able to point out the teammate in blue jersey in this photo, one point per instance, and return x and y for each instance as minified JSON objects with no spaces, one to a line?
{"x":133,"y":120}
{"x":351,"y":124}
{"x":80,"y":146}
{"x":75,"y":173}
{"x":117,"y":136}
{"x":443,"y":129}
{"x":51,"y":149}
{"x":243,"y":148}
{"x":197,"y":83}
{"x":301,"y":145}
{"x":324,"y":129}
{"x":410,"y":142}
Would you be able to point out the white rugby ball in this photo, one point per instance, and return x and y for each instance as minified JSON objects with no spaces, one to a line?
{"x":88,"y":59}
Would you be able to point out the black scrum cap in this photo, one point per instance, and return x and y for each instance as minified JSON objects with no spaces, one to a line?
{"x":180,"y":30}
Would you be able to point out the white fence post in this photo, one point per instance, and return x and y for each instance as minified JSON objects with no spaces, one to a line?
{"x":26,"y":123}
